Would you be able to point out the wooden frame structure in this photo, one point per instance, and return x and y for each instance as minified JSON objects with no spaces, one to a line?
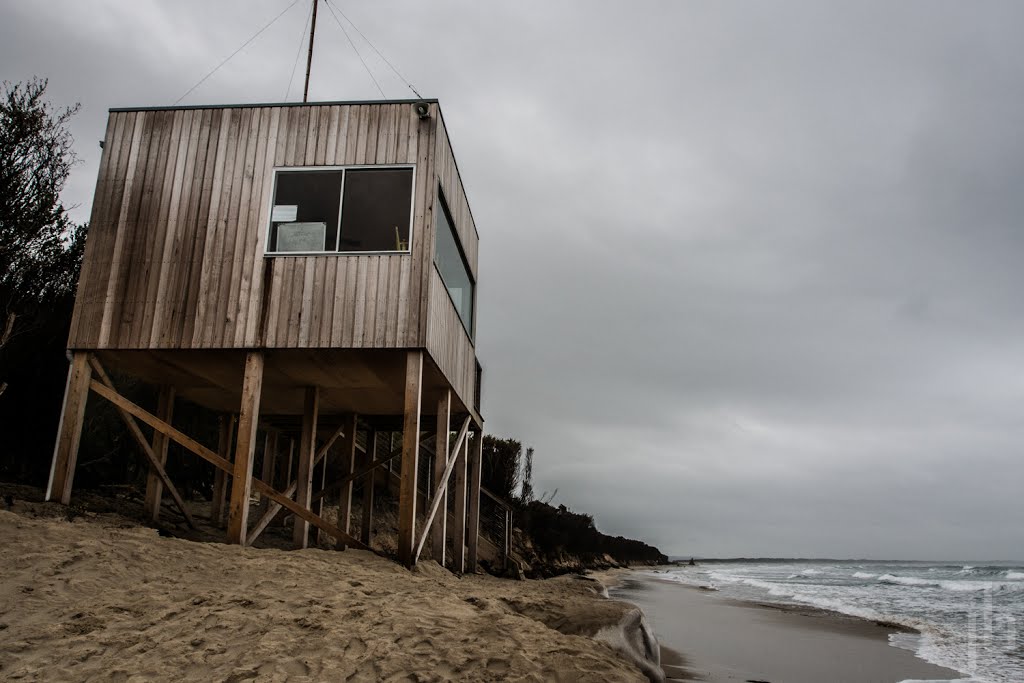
{"x":323,"y":351}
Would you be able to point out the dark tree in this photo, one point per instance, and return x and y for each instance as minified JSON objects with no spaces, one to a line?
{"x":40,"y":248}
{"x":40,"y":256}
{"x":500,"y":470}
{"x":527,"y":493}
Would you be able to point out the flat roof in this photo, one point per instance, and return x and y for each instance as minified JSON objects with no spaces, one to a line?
{"x":269,"y":104}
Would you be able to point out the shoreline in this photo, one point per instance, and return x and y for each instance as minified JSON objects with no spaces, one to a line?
{"x":716,"y":639}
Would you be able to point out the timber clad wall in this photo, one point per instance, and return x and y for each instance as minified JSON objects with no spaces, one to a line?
{"x":446,"y":339}
{"x":175,"y":252}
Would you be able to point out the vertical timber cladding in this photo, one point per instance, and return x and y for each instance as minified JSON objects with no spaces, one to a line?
{"x":447,"y":342}
{"x":175,"y":253}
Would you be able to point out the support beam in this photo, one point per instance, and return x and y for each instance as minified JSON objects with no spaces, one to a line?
{"x":72,"y":416}
{"x":154,"y":484}
{"x":441,"y":455}
{"x":361,"y":471}
{"x":459,"y":532}
{"x":473,"y":522}
{"x":365,"y":529}
{"x":245,"y":446}
{"x":267,"y":516}
{"x":348,"y":466}
{"x":307,"y":442}
{"x":220,"y":463}
{"x":179,"y":437}
{"x":140,"y":439}
{"x":507,"y":553}
{"x":410,"y":458}
{"x":306,"y":515}
{"x":221,"y":479}
{"x":445,"y":478}
{"x":269,"y":468}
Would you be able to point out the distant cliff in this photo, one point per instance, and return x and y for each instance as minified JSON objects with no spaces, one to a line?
{"x":556,"y":540}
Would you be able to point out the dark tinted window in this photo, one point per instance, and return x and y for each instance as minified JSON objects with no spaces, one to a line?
{"x":305,"y":212}
{"x":376,"y":209}
{"x":452,"y":266}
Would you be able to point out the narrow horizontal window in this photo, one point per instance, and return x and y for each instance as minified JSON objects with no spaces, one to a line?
{"x":341,"y":210}
{"x":451,"y":264}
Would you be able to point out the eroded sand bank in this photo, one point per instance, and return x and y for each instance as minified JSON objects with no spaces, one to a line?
{"x":102,"y":598}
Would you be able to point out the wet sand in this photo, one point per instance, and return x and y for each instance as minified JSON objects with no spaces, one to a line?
{"x":706,"y":637}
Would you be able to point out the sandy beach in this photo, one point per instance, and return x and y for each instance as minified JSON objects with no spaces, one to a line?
{"x":705,"y":637}
{"x":94,"y":595}
{"x":101,"y":598}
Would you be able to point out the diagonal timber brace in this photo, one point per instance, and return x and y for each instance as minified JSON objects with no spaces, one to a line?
{"x":147,"y":449}
{"x":289,"y":492}
{"x":205,"y":453}
{"x":362,"y":471}
{"x":439,"y":493}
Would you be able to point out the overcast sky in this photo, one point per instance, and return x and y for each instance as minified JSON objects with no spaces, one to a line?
{"x":751,"y":273}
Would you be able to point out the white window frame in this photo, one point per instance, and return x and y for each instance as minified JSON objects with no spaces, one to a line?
{"x":341,"y":208}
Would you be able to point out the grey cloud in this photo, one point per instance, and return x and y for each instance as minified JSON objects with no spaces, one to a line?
{"x":750,"y":273}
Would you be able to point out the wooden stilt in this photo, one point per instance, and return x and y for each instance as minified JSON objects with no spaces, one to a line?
{"x":307,"y":442}
{"x":473,"y":521}
{"x":348,"y":466}
{"x":269,"y":468}
{"x":438,"y":528}
{"x":320,"y":476}
{"x":459,"y":532}
{"x":225,"y":440}
{"x":366,"y":527}
{"x":507,"y":554}
{"x":65,"y":452}
{"x":154,"y":485}
{"x":410,"y":458}
{"x":245,"y":446}
{"x":289,"y":475}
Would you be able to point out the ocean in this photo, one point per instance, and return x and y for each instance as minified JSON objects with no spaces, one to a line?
{"x":970,"y":617}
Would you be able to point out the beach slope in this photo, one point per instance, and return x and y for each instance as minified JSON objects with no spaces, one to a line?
{"x":99,"y":596}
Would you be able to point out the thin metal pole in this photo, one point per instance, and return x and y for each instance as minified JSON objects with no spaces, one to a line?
{"x":309,"y":59}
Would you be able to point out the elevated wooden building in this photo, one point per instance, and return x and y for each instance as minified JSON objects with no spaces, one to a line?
{"x":310,"y":267}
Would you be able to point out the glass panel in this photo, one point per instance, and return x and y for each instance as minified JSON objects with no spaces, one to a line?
{"x":301,"y":236}
{"x":375,"y":213}
{"x":305,"y":212}
{"x":452,"y":266}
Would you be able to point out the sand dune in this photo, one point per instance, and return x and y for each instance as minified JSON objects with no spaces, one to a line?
{"x":101,"y":598}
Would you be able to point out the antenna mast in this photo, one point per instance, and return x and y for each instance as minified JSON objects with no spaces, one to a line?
{"x":309,"y":59}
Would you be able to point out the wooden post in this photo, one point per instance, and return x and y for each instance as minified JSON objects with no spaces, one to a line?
{"x":410,"y":458}
{"x":154,"y":486}
{"x":459,"y":532}
{"x":365,"y":534}
{"x":307,"y":443}
{"x":507,"y":554}
{"x":320,"y":473}
{"x":348,"y":466}
{"x":437,"y":531}
{"x":72,"y":416}
{"x":220,"y":478}
{"x":245,"y":446}
{"x":473,"y":522}
{"x":269,"y":469}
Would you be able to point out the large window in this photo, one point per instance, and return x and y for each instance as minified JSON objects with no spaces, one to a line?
{"x":451,"y":264}
{"x":341,"y":210}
